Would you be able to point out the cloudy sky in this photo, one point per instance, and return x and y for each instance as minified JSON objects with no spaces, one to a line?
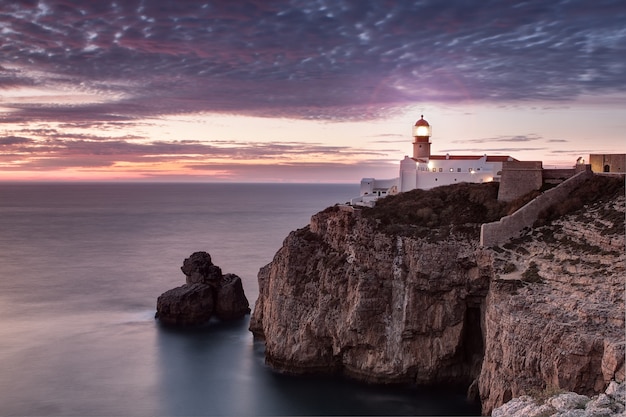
{"x":302,"y":90}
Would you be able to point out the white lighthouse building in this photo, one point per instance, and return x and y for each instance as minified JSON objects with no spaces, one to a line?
{"x":425,"y":171}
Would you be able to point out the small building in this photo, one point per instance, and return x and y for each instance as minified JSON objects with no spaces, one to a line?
{"x":373,"y":189}
{"x":610,"y":163}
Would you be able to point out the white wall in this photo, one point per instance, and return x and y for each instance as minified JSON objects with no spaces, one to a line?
{"x":408,"y":179}
{"x":451,"y":171}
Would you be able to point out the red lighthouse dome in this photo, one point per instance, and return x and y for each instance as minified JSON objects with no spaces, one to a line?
{"x":421,"y":122}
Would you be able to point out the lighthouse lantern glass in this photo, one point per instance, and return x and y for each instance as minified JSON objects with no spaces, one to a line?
{"x":422,"y":131}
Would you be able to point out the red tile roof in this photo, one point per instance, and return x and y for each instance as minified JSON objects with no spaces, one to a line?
{"x":490,"y":158}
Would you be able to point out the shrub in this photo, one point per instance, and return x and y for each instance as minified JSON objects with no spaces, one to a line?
{"x":532,"y":274}
{"x":442,"y":210}
{"x":497,"y":249}
{"x":598,"y":189}
{"x":542,"y":395}
{"x":509,"y":267}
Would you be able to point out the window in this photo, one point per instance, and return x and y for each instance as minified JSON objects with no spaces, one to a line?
{"x":451,"y":169}
{"x":470,"y":169}
{"x":440,"y":169}
{"x":434,"y":169}
{"x":458,"y":170}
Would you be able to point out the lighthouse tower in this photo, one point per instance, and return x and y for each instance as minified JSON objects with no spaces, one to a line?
{"x":421,"y":140}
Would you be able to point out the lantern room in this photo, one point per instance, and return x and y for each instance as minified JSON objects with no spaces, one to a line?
{"x":422,"y":129}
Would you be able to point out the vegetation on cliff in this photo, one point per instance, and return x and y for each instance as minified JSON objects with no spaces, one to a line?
{"x":596,"y":191}
{"x":436,"y":213}
{"x":462,"y":208}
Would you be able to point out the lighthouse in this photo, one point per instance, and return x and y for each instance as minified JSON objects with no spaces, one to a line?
{"x":421,"y":140}
{"x":425,"y":171}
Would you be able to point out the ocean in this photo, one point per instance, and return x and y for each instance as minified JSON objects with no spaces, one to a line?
{"x":81,"y":267}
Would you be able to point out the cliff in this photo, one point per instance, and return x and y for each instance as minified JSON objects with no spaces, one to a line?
{"x":555,"y":308}
{"x":403,"y":292}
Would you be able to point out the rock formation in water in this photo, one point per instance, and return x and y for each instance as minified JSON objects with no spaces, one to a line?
{"x":206,"y":293}
{"x":386,"y":298}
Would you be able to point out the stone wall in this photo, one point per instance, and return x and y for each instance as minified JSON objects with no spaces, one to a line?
{"x":508,"y":227}
{"x":556,"y":176}
{"x":519,"y":178}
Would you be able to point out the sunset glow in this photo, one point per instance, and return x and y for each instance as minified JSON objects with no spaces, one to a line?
{"x":302,"y":92}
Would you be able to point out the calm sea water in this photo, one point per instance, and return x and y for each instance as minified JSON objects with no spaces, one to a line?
{"x":81,"y":266}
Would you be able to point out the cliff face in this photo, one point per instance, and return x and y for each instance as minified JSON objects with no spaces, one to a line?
{"x":555,"y":309}
{"x":347,"y":295}
{"x":341,"y":296}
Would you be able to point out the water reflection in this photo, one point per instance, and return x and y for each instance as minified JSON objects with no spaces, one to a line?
{"x":220,"y":370}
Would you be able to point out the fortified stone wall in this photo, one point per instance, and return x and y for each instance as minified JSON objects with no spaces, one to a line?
{"x":556,"y":176}
{"x":519,"y":178}
{"x":508,"y":227}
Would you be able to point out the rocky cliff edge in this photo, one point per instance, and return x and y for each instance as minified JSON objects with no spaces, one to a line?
{"x":415,"y":299}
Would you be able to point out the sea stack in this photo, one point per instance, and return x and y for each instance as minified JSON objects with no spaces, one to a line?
{"x":206,"y":293}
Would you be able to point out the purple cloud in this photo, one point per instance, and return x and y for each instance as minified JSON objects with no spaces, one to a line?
{"x":304,"y":59}
{"x":14,"y":140}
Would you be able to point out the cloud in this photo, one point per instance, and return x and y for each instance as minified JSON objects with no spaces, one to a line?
{"x":14,"y":140}
{"x":303,"y":59}
{"x":513,"y":138}
{"x":51,"y":148}
{"x":11,"y":78}
{"x":301,"y":171}
{"x":481,"y":151}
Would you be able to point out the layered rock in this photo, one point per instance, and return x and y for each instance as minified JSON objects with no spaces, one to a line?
{"x":340,"y":296}
{"x":392,"y":304}
{"x":206,"y":293}
{"x":555,"y":310}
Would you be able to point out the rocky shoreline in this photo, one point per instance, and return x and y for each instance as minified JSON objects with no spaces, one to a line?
{"x":567,"y":404}
{"x":386,"y":301}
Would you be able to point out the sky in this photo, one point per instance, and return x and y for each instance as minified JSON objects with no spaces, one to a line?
{"x":302,"y":90}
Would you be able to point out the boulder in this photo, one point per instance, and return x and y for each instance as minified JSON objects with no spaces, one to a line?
{"x":207,"y":292}
{"x":199,"y":269}
{"x":231,"y":302}
{"x":565,"y":404}
{"x":186,"y":305}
